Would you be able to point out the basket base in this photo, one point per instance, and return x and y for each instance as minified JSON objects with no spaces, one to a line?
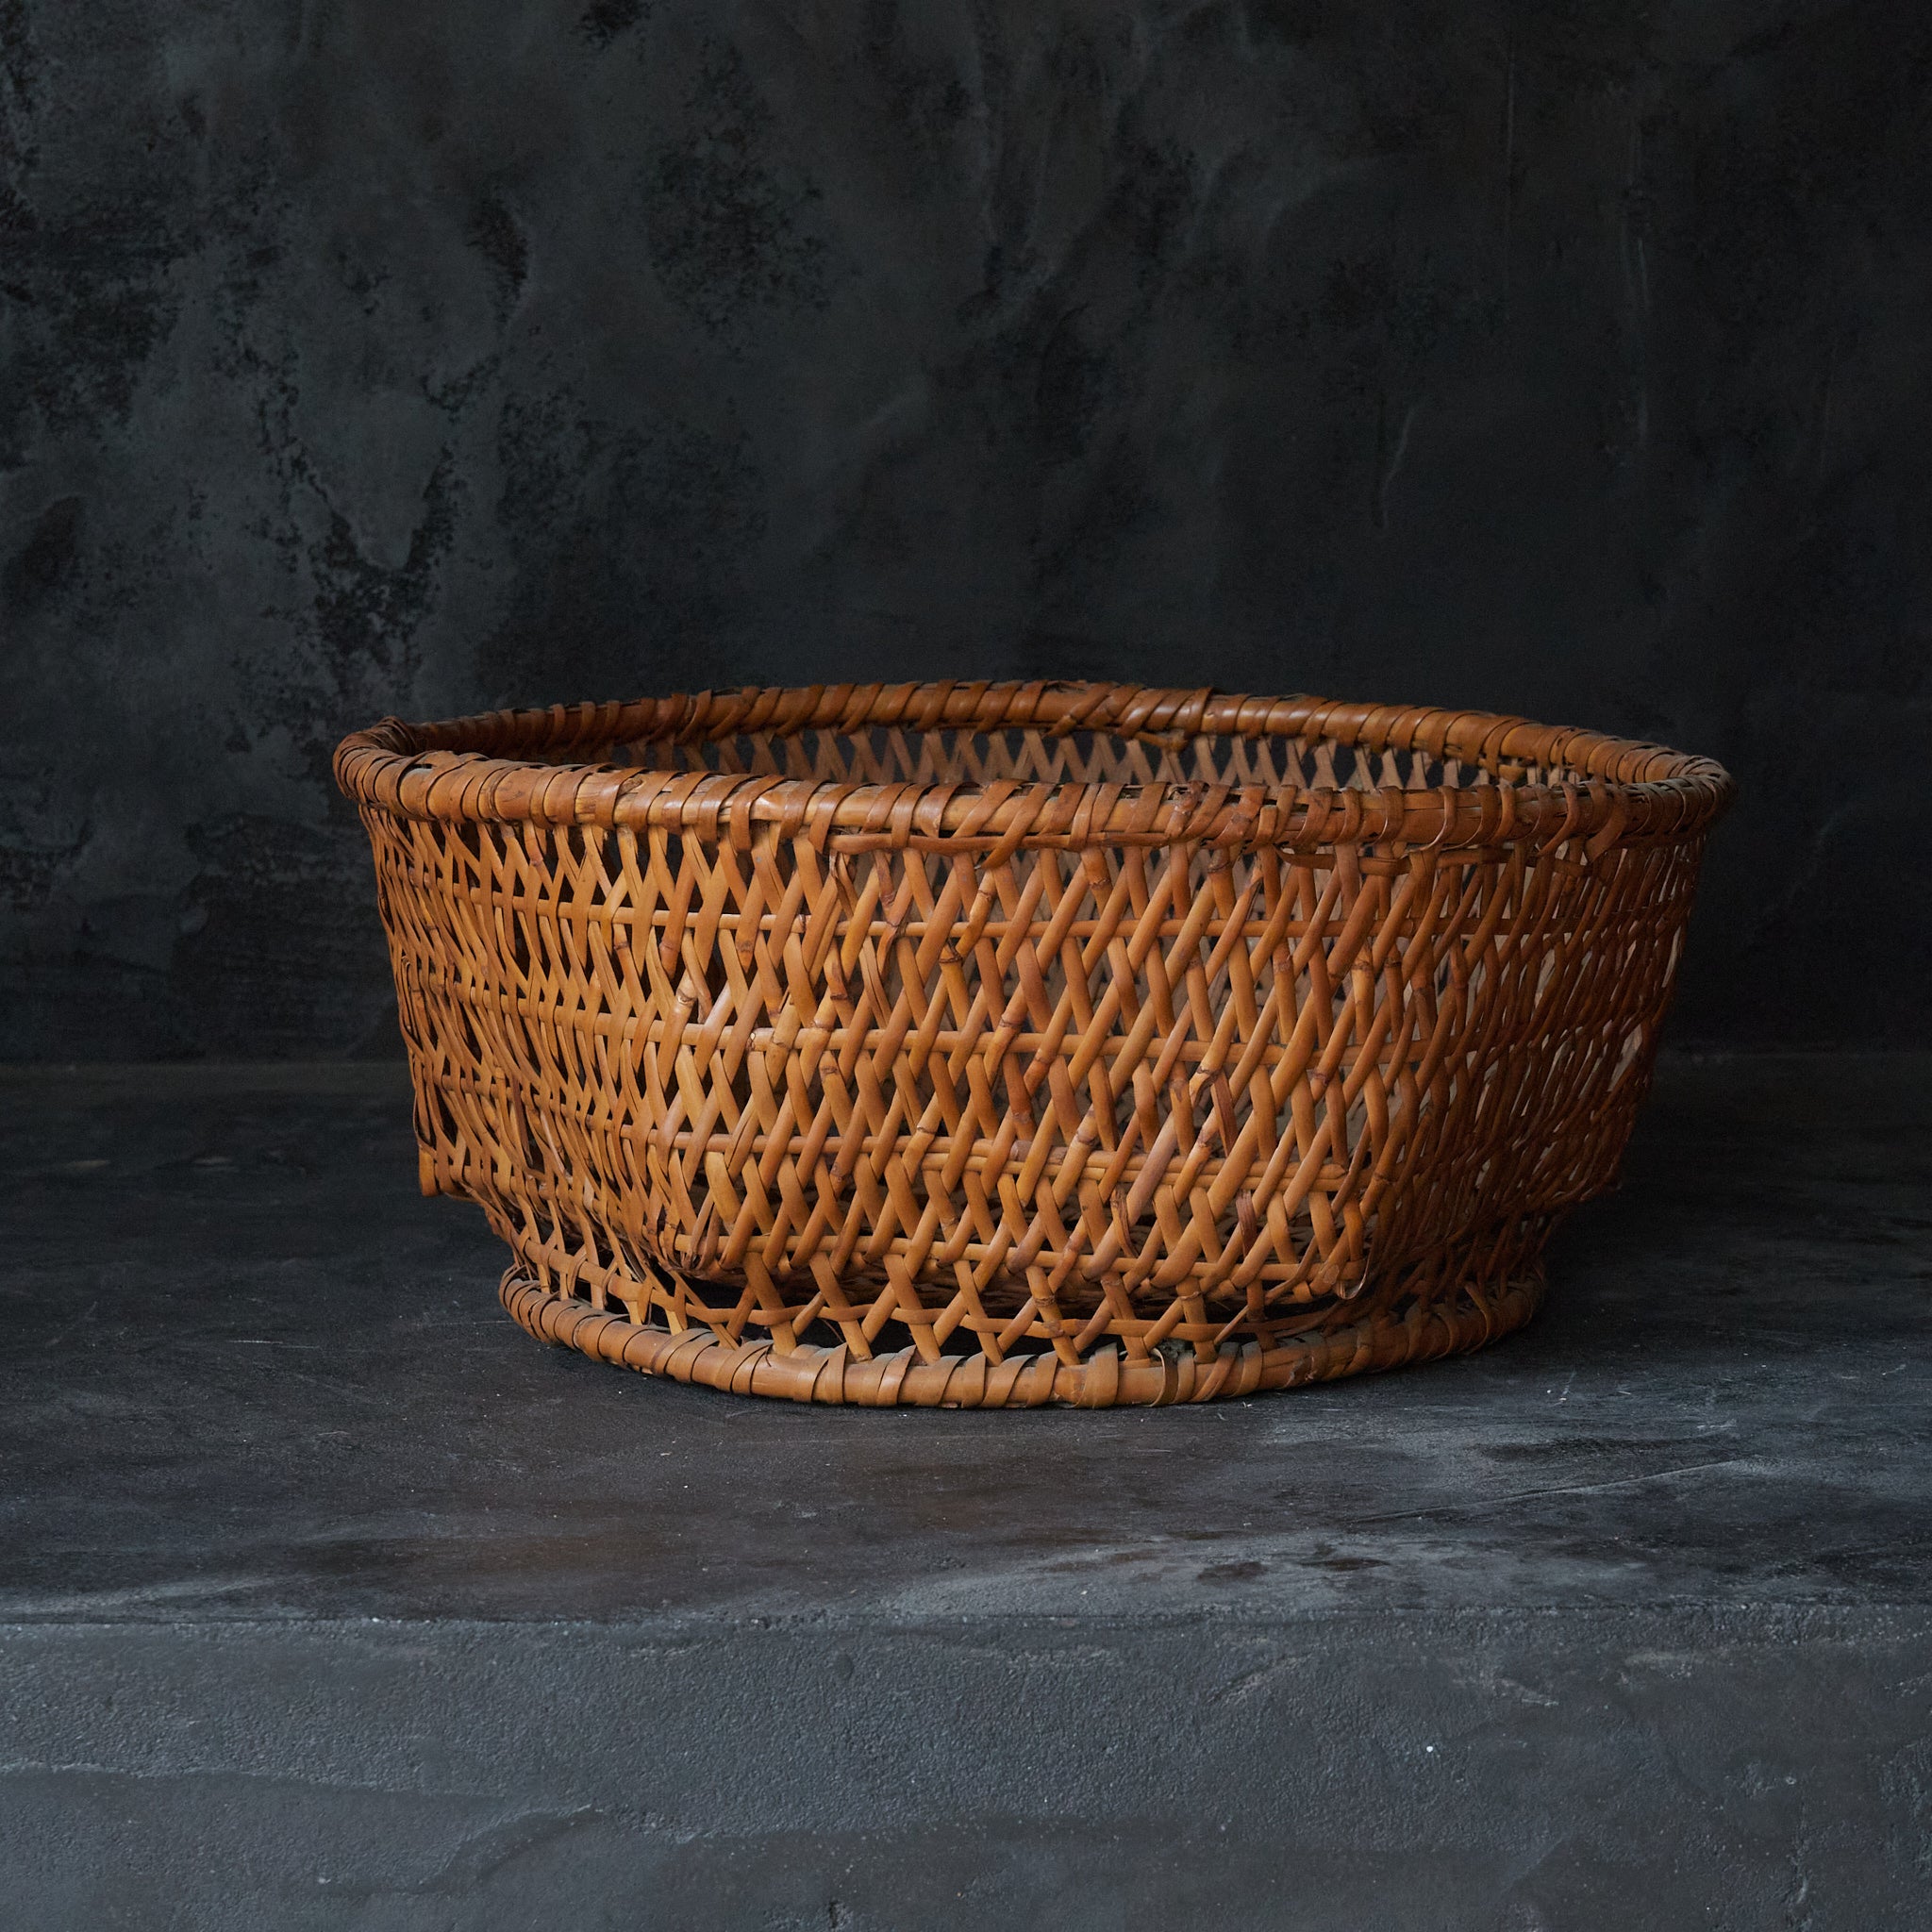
{"x":1104,"y":1379}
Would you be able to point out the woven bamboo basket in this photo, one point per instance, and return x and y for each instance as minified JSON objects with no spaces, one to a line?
{"x":994,"y":1045}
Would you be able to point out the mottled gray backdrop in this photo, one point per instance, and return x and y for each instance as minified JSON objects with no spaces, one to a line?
{"x":1566,"y":356}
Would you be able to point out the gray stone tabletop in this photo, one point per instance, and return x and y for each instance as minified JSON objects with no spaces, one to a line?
{"x":333,"y":1599}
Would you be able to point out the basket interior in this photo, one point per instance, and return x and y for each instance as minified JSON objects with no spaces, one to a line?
{"x":895,"y":755}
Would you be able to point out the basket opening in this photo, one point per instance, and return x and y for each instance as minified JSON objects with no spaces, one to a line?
{"x":890,"y":754}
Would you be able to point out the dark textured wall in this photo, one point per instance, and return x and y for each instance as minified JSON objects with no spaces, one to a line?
{"x":1566,"y":358}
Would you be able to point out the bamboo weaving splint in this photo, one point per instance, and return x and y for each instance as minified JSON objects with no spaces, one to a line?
{"x":1000,"y":1045}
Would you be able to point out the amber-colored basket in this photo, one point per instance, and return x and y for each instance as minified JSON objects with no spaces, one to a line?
{"x":994,"y":1045}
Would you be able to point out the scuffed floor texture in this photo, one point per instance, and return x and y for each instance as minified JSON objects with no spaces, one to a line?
{"x":331,"y":1600}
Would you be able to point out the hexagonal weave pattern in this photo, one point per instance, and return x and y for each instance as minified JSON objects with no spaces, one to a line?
{"x":990,"y":1044}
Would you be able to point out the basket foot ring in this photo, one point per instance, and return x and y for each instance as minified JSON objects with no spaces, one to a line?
{"x":1105,"y":1378}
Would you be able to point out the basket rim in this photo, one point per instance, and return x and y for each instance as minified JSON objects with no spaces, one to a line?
{"x":501,"y":767}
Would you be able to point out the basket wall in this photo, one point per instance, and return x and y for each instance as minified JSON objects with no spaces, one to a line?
{"x":1005,"y":1061}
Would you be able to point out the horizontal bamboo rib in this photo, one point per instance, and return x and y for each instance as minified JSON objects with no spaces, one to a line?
{"x":990,"y":1044}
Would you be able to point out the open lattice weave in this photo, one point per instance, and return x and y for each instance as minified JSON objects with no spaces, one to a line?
{"x":981,"y":1045}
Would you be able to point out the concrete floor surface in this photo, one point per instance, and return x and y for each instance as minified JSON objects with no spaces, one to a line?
{"x":329,"y":1599}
